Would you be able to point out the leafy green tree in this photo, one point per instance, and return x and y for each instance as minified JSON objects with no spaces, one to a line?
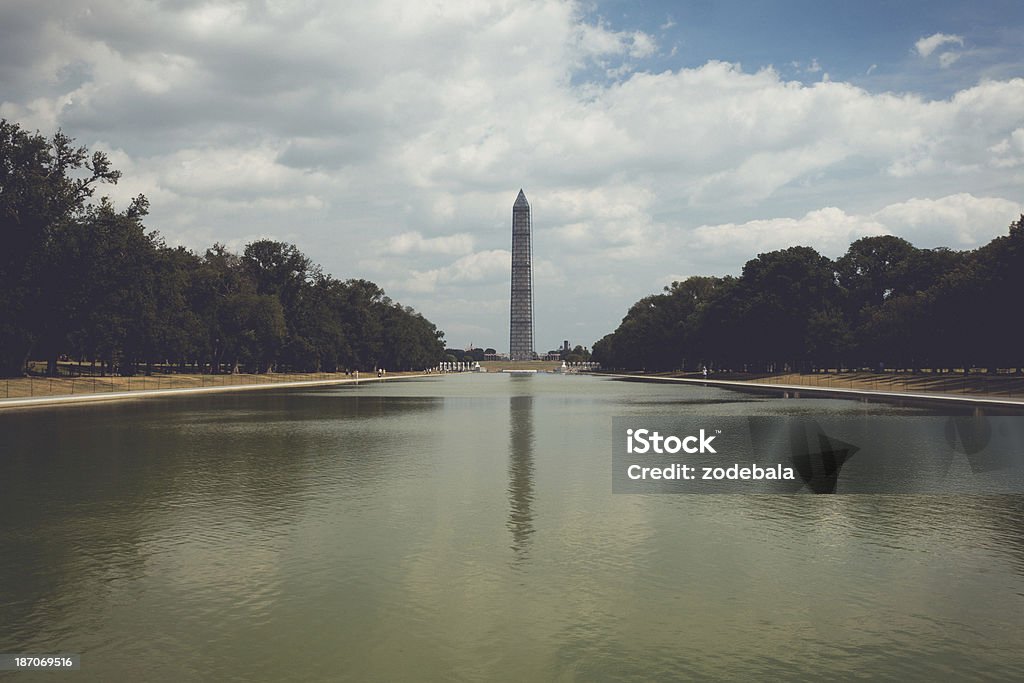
{"x":82,"y":278}
{"x":899,"y":334}
{"x":973,"y":311}
{"x":925,"y":267}
{"x":410,"y":341}
{"x":829,"y":340}
{"x":782,"y":291}
{"x":215,"y":292}
{"x":883,"y":302}
{"x":45,"y":188}
{"x":717,"y":333}
{"x":319,"y":340}
{"x":254,"y":329}
{"x":604,"y":351}
{"x":873,"y":269}
{"x":361,"y":307}
{"x":659,"y":332}
{"x":112,"y":278}
{"x":577,"y":355}
{"x":454,"y":355}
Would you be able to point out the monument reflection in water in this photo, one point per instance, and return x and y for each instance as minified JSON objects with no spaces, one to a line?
{"x":520,"y":470}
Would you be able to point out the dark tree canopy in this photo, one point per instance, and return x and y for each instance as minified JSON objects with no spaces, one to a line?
{"x":84,"y":280}
{"x":883,"y":302}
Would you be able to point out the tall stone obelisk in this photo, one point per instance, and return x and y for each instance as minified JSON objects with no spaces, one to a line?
{"x":521,"y":325}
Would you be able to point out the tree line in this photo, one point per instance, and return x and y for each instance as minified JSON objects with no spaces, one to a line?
{"x":883,"y":304}
{"x":82,"y":280}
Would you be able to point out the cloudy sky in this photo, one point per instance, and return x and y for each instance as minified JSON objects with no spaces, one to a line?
{"x":654,"y":141}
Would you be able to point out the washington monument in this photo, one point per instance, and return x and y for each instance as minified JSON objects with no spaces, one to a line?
{"x":521,"y":325}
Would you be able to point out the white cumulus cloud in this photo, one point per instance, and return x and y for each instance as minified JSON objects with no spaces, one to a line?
{"x":413,"y":242}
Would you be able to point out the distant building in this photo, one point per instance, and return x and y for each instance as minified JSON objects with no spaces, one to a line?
{"x":521,"y":308}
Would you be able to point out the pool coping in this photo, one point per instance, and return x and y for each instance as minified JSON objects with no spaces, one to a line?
{"x":66,"y":399}
{"x":797,"y":389}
